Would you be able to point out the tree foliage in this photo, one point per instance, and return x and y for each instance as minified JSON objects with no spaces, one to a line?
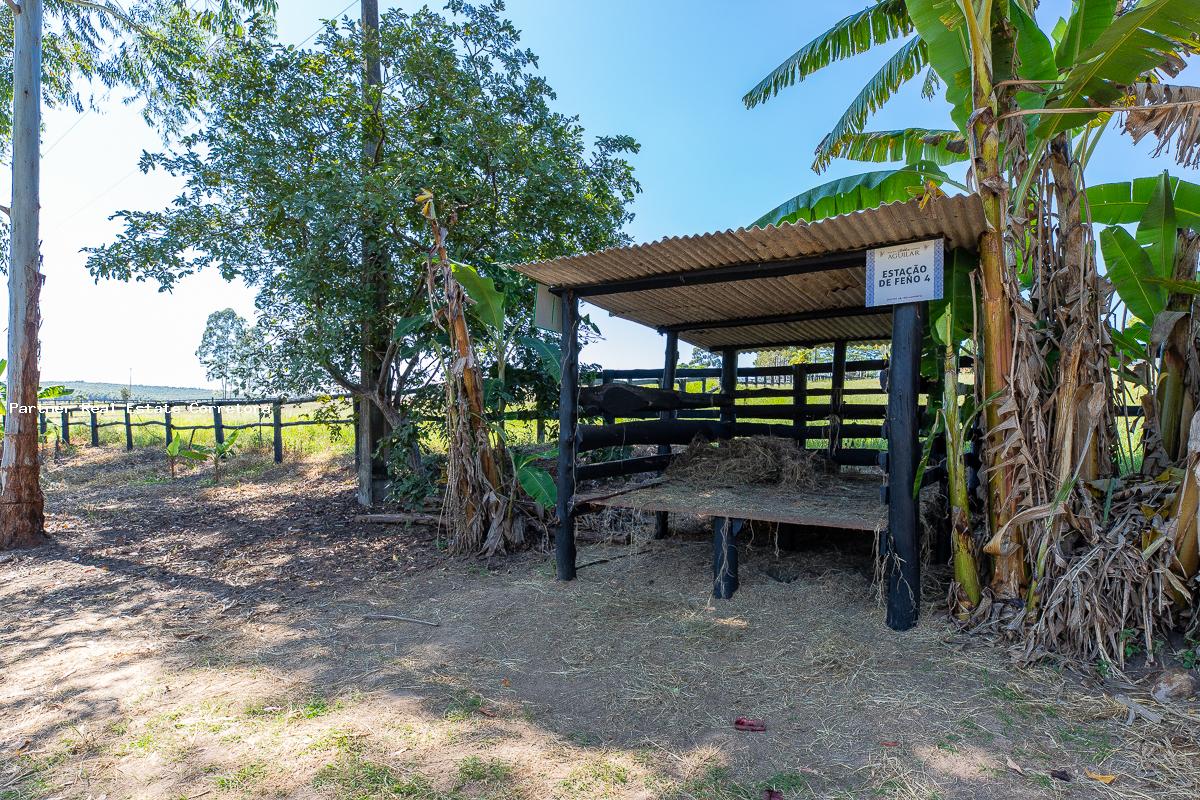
{"x":277,"y":194}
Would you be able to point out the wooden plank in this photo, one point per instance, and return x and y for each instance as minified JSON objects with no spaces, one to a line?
{"x":844,"y":502}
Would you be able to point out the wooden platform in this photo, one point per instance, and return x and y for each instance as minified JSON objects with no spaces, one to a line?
{"x":846,"y":502}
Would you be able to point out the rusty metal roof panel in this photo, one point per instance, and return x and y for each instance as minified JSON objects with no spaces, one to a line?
{"x":958,"y":219}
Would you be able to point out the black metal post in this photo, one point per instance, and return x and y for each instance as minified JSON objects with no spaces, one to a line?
{"x":902,"y":547}
{"x":725,"y":556}
{"x":837,"y":390}
{"x":662,"y":521}
{"x":277,"y":430}
{"x":95,"y":428}
{"x":568,"y":418}
{"x":128,"y":429}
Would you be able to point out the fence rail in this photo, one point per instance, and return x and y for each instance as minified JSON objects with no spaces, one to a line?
{"x":757,"y":383}
{"x":219,"y":427}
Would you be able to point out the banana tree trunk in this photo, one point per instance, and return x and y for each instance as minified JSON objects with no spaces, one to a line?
{"x":1006,"y":547}
{"x":21,"y":501}
{"x":966,"y":568}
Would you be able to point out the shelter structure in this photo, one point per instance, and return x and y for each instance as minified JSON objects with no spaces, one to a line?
{"x":752,"y":289}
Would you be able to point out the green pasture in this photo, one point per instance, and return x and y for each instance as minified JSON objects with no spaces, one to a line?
{"x":196,"y":424}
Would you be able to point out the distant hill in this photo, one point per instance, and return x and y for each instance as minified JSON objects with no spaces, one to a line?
{"x":112,"y":391}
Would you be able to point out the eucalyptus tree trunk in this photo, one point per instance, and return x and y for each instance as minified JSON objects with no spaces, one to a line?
{"x":371,"y":423}
{"x":21,"y":502}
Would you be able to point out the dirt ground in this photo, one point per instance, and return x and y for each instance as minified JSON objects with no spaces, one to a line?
{"x":185,"y":640}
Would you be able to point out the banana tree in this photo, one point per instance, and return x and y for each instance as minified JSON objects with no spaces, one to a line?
{"x":1027,"y":108}
{"x":1154,"y":273}
{"x":950,"y":328}
{"x":480,"y":503}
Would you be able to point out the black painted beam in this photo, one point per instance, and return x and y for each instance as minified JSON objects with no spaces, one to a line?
{"x":751,"y":270}
{"x":568,"y":417}
{"x":901,"y":548}
{"x":777,"y":319}
{"x":749,"y":348}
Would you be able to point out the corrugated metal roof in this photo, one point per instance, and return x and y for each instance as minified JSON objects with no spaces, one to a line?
{"x":958,"y":219}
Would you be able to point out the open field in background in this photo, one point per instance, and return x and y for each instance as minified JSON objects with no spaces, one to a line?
{"x":310,"y":439}
{"x":184,"y":640}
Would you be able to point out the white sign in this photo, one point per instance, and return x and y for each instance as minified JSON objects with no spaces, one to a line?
{"x":905,"y":273}
{"x":547,"y":310}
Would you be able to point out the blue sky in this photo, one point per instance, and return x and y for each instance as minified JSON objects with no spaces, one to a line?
{"x":668,"y":72}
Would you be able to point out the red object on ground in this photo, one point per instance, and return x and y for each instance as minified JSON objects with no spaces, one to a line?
{"x":750,"y":725}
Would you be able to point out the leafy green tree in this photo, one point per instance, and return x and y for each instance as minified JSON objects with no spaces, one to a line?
{"x":221,"y":347}
{"x":276,"y":193}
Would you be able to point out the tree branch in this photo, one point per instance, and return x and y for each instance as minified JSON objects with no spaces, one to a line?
{"x":341,"y":379}
{"x":16,"y":9}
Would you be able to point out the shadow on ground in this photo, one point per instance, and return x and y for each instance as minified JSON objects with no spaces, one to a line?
{"x":183,"y":640}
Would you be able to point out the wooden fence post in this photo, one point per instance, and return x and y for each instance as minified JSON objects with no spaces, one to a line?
{"x":277,"y":430}
{"x":95,"y":428}
{"x":837,"y":388}
{"x":42,"y":422}
{"x":218,"y":426}
{"x":541,"y":430}
{"x":800,"y":404}
{"x":729,"y":381}
{"x":128,"y":429}
{"x":662,"y":519}
{"x":167,"y":422}
{"x":64,"y":432}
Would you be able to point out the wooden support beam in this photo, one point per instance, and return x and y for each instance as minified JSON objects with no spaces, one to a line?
{"x":64,"y":431}
{"x":218,"y":425}
{"x":167,"y":422}
{"x":128,"y":429}
{"x":662,"y":519}
{"x":725,"y":556}
{"x":901,"y":548}
{"x":95,"y":428}
{"x":568,"y":418}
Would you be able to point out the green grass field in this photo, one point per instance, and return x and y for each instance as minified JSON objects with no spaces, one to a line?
{"x":148,"y":430}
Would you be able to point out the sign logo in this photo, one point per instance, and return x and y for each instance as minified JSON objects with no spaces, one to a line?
{"x":905,"y":273}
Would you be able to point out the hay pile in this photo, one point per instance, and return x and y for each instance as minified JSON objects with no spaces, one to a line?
{"x":759,"y":460}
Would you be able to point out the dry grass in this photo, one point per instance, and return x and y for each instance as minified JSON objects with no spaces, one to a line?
{"x":220,"y":651}
{"x":753,"y":460}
